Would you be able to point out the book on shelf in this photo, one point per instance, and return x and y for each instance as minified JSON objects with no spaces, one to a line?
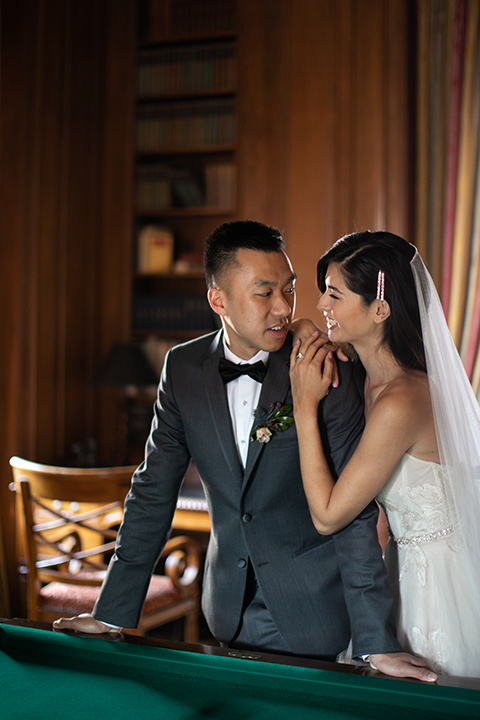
{"x":220,"y":184}
{"x":155,"y":250}
{"x":187,"y":188}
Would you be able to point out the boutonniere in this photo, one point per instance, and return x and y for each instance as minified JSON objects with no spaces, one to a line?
{"x":276,"y":419}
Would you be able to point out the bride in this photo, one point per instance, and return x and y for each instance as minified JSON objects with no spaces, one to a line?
{"x":420,"y":451}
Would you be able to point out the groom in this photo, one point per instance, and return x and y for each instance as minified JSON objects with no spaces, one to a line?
{"x":271,"y":581}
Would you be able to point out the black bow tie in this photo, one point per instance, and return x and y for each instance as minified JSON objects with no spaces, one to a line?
{"x":231,"y":371}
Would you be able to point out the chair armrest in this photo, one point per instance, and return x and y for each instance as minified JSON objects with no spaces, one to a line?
{"x":182,"y":561}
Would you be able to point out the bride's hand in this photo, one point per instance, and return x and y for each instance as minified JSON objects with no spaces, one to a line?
{"x":402,"y":664}
{"x":312,"y":371}
{"x":304,"y":328}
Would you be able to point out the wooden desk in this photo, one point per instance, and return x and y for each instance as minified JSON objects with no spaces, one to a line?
{"x":192,"y":510}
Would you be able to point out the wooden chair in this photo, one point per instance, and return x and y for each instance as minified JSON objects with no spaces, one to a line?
{"x":70,"y":518}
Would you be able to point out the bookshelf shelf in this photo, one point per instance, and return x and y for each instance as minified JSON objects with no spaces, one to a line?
{"x":193,"y":95}
{"x":185,"y":161}
{"x":186,"y":40}
{"x":190,"y":150}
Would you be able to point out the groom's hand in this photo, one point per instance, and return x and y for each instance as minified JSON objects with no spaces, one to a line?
{"x":402,"y":664}
{"x":84,"y":623}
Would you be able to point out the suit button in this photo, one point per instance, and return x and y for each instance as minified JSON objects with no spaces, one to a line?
{"x":246,"y":518}
{"x":242,"y":563}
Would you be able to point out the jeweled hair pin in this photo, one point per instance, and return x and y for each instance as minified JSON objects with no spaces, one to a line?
{"x":381,"y":285}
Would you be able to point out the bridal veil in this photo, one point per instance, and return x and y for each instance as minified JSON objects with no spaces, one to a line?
{"x":457,"y":425}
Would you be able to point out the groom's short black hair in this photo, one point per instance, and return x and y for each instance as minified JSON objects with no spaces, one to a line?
{"x":222,"y":245}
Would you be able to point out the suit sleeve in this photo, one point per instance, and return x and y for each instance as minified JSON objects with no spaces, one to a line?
{"x":370,"y":605}
{"x":149,"y":509}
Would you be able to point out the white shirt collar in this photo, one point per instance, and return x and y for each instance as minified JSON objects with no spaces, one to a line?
{"x":261,"y":355}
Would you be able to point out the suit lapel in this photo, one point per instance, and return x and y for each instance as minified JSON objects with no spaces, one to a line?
{"x":275,"y":388}
{"x":217,"y":400}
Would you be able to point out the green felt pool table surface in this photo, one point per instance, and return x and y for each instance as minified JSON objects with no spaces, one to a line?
{"x":46,"y":674}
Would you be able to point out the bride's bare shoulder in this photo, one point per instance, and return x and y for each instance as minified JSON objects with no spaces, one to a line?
{"x":408,"y":392}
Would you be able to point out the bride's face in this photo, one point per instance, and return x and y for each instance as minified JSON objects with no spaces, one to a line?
{"x":348,"y":318}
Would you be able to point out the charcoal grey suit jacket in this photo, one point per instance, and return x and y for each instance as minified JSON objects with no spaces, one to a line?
{"x":320,"y":590}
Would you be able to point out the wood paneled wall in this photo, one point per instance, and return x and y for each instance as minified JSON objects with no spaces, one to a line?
{"x":325,"y":114}
{"x":324,"y":149}
{"x":66,"y":94}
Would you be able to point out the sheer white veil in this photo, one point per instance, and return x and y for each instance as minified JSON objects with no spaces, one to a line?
{"x":457,"y":425}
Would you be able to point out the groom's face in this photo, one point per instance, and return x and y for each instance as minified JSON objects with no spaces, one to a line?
{"x":256,"y":301}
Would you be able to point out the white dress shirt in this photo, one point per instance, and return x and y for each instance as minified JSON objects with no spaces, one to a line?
{"x":243,"y":395}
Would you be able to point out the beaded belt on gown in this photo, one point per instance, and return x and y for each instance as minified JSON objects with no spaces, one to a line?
{"x":423,"y":538}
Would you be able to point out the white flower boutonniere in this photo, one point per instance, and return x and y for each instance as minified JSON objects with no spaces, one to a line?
{"x":263,"y":435}
{"x":276,"y":419}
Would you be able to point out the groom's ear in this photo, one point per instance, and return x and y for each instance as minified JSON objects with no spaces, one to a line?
{"x":216,"y":300}
{"x":382,"y":311}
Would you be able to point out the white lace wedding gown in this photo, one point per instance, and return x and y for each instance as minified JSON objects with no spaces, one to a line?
{"x":435,"y":617}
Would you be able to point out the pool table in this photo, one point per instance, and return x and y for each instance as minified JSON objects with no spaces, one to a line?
{"x":46,"y":674}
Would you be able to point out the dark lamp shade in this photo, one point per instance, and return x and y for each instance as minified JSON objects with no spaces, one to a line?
{"x":125,"y":365}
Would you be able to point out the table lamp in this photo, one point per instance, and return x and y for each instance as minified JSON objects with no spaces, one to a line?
{"x":126,"y":367}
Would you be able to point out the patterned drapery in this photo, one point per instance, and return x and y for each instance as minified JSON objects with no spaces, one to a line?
{"x":448,"y":167}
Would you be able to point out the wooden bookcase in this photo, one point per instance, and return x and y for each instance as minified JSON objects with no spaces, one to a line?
{"x":185,"y":154}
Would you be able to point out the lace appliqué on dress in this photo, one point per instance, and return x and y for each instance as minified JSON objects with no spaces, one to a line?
{"x":423,"y":509}
{"x":432,"y":646}
{"x":422,"y":512}
{"x":415,"y":561}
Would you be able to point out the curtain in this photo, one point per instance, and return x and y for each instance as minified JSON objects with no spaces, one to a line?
{"x":448,"y":168}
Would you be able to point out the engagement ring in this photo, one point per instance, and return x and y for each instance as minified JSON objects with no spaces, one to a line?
{"x":300,"y":356}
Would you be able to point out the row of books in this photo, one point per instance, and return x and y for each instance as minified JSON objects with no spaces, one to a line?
{"x":170,"y":19}
{"x":188,"y":69}
{"x":160,"y":187}
{"x":172,"y":313}
{"x":221,"y":185}
{"x":178,"y":125}
{"x":153,"y":189}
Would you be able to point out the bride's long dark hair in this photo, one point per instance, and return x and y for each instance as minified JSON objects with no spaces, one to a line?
{"x":360,"y":256}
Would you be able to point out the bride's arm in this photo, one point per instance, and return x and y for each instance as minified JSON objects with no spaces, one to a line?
{"x":389,"y":432}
